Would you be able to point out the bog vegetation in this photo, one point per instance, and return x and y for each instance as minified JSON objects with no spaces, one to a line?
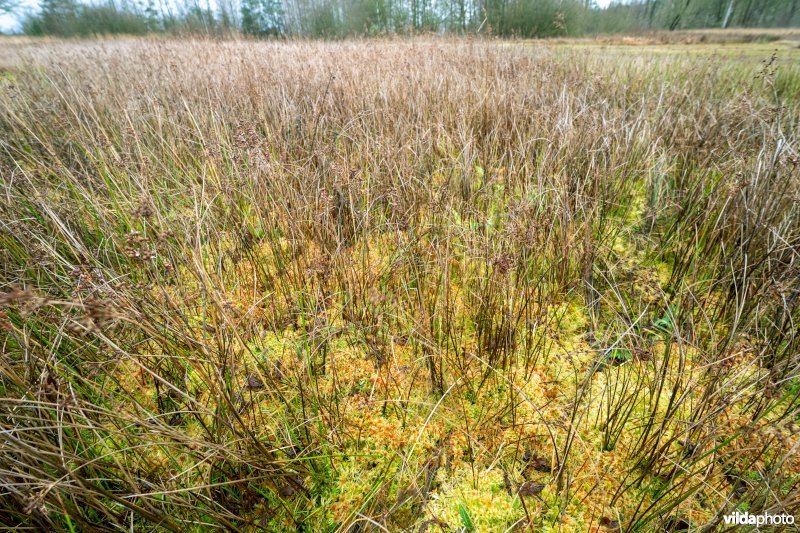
{"x":396,"y":285}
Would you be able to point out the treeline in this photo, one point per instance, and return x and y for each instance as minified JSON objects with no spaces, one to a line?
{"x":341,"y":18}
{"x":689,"y":14}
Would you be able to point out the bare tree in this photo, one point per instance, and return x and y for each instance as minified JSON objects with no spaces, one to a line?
{"x":728,"y":14}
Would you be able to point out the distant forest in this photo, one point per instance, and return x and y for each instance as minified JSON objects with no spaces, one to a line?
{"x":342,"y":18}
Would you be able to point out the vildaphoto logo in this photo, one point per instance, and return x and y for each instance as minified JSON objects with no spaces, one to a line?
{"x":764,"y":519}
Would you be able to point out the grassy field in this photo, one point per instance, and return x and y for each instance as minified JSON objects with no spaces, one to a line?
{"x":409,"y":285}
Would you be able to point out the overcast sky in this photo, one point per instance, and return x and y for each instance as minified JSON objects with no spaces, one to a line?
{"x":11,"y":22}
